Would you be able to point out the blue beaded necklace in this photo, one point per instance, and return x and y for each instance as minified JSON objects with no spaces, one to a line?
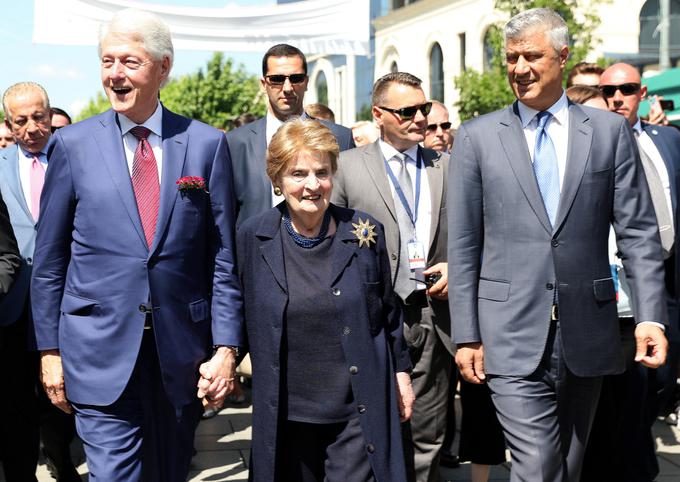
{"x":304,"y":241}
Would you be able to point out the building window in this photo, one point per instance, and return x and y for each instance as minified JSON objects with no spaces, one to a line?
{"x":321,"y":87}
{"x":461,"y":42}
{"x":488,"y":50}
{"x":650,"y":17}
{"x":394,"y":67}
{"x":436,"y":73}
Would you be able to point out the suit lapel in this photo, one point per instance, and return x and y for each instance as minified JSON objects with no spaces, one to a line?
{"x":175,"y":140}
{"x":14,"y":181}
{"x":580,"y":137}
{"x":375,"y":164}
{"x":667,"y":158}
{"x":516,"y":151}
{"x":344,"y":247}
{"x":259,"y":142}
{"x":109,"y":141}
{"x":435,"y":180}
{"x":271,"y":247}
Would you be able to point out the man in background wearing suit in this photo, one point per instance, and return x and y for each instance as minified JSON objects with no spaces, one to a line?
{"x":9,"y":252}
{"x":403,"y":186}
{"x":533,"y":190}
{"x":284,"y":79}
{"x":622,"y":447}
{"x":25,"y":408}
{"x":134,"y":283}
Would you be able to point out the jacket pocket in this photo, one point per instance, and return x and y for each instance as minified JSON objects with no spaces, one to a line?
{"x":493,"y":290}
{"x":604,"y":289}
{"x":198,"y":310}
{"x":72,"y":304}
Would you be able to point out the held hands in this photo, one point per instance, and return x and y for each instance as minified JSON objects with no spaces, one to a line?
{"x":651,"y":345}
{"x":52,"y":379}
{"x":470,"y":361}
{"x":405,"y":396}
{"x":439,"y":290}
{"x":217,"y":377}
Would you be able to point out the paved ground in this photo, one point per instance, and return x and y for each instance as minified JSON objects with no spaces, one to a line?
{"x":223,"y":450}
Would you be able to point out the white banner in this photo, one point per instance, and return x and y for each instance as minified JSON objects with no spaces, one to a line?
{"x":314,"y":26}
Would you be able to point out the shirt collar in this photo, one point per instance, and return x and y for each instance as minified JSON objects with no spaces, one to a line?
{"x":637,"y":127}
{"x":559,"y":111}
{"x":389,"y":151}
{"x":153,"y":123}
{"x":42,"y":157}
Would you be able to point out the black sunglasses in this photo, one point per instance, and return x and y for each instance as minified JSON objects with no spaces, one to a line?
{"x":407,"y":113}
{"x":629,"y":88}
{"x":278,"y":79}
{"x":444,"y":125}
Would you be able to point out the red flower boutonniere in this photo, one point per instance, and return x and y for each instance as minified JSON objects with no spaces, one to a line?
{"x":191,"y":183}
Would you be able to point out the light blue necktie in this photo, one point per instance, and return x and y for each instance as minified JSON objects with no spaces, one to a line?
{"x":545,"y":167}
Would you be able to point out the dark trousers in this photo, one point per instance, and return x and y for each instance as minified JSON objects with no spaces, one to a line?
{"x":334,"y":452}
{"x":450,"y":433}
{"x":481,"y":435}
{"x":141,"y":436}
{"x":57,"y":431}
{"x":19,"y":438}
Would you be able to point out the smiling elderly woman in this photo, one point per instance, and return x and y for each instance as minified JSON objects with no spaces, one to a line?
{"x":330,"y":380}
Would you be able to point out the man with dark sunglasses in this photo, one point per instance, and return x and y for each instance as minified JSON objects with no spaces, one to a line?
{"x":403,"y":186}
{"x":622,"y":431}
{"x":438,"y":133}
{"x":284,"y":80}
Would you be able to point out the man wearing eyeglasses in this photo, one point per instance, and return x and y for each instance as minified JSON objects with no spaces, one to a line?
{"x":630,"y":404}
{"x":438,"y":134}
{"x":403,"y":186}
{"x":284,"y":80}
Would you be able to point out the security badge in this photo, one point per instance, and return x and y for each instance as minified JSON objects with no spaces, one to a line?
{"x":416,"y":255}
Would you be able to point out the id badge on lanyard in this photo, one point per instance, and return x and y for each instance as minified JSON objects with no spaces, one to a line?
{"x":416,"y":254}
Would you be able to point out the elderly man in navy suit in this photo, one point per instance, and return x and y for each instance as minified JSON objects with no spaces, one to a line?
{"x":134,"y":288}
{"x":284,"y":79}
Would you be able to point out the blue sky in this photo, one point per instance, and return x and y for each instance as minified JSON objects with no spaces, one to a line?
{"x":71,"y":74}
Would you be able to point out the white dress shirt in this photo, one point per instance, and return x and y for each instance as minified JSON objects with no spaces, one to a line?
{"x":130,"y":142}
{"x":25,"y":163}
{"x":272,"y":125}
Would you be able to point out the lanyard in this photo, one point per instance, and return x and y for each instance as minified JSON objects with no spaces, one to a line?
{"x":397,"y":188}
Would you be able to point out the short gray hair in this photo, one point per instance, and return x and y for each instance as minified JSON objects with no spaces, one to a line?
{"x":146,"y":27}
{"x":23,"y":88}
{"x":555,"y":26}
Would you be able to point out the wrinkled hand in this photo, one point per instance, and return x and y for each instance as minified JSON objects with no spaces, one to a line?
{"x":470,"y":361}
{"x":439,"y":290}
{"x":52,"y":379}
{"x":217,"y":377}
{"x":651,"y":345}
{"x":405,"y":396}
{"x":656,"y":114}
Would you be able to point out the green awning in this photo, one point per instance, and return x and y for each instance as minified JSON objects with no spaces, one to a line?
{"x":666,"y":85}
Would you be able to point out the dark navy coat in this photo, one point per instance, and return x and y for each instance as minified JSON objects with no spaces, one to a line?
{"x":369,"y":324}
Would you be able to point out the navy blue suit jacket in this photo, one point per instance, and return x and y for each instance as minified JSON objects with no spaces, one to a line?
{"x":248,"y":148}
{"x":93,"y":269}
{"x":369,"y":325}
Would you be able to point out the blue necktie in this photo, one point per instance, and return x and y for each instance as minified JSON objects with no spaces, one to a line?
{"x":545,"y":167}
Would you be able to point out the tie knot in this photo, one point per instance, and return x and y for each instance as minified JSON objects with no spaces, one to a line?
{"x":140,"y":132}
{"x":542,"y":118}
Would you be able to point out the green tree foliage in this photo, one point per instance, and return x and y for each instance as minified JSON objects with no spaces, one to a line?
{"x":488,"y":91}
{"x":215,"y":95}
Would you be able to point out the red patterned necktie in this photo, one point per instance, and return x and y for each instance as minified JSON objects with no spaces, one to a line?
{"x":145,"y":182}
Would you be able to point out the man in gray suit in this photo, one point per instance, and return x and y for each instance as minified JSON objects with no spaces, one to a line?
{"x":284,"y":80}
{"x":533,"y":190}
{"x":402,"y":185}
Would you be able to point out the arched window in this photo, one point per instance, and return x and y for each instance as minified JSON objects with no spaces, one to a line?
{"x":649,"y":34}
{"x":321,"y":87}
{"x":488,"y":51}
{"x":394,"y":67}
{"x":436,"y":73}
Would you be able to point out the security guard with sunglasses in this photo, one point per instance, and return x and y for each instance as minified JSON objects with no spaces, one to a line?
{"x":438,"y":135}
{"x":403,"y":186}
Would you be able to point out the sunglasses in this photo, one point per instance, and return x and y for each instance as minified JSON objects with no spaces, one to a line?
{"x":629,"y":88}
{"x":444,"y":125}
{"x":278,"y":79}
{"x":408,"y":113}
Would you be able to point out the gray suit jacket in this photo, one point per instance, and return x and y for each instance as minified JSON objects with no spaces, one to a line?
{"x":248,"y":149}
{"x":24,"y":230}
{"x":361,"y":183}
{"x":505,"y":260}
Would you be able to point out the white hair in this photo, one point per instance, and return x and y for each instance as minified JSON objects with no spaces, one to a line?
{"x":555,"y":26}
{"x":22,"y":88}
{"x":146,"y":27}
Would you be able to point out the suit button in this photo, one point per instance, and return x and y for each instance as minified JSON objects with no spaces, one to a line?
{"x":555,"y":243}
{"x":394,"y":256}
{"x":549,"y":286}
{"x":142,"y":309}
{"x":353,"y":370}
{"x":361,"y":409}
{"x":336,"y":292}
{"x":370,"y":448}
{"x":346,"y":330}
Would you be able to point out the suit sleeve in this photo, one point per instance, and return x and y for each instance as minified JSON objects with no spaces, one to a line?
{"x":9,"y":252}
{"x":465,"y":223}
{"x":52,"y":246}
{"x":227,"y":302}
{"x":637,"y":234}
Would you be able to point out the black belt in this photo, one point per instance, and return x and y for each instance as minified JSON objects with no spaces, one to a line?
{"x":148,"y":319}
